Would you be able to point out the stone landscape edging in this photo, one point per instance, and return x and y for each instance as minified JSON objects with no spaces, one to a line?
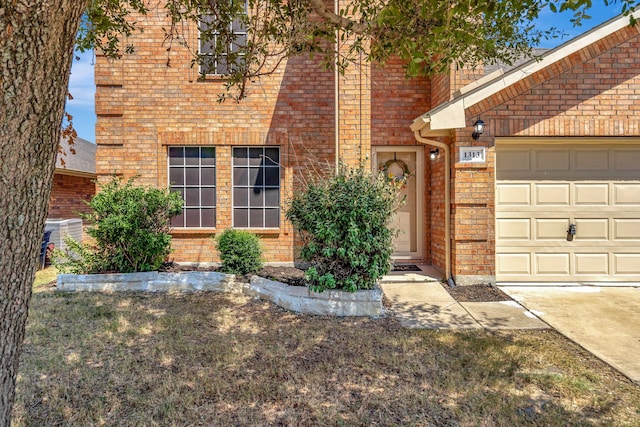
{"x":294,"y":298}
{"x":301,"y":299}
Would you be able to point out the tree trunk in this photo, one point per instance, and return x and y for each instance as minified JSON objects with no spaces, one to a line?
{"x":36,"y":50}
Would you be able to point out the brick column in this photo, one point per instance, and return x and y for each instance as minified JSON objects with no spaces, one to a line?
{"x":354,"y":110}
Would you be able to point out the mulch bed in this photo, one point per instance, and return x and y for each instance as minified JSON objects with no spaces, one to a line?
{"x":290,"y":275}
{"x":483,"y":292}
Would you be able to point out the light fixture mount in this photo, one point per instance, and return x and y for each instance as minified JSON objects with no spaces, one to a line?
{"x":478,"y":129}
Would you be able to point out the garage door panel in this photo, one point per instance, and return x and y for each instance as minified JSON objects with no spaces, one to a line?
{"x":626,"y":160}
{"x":592,"y":263}
{"x":552,"y":263}
{"x":626,"y":229}
{"x":517,"y":161}
{"x":626,"y":264}
{"x":552,"y":194}
{"x":514,"y":229}
{"x":550,"y":186}
{"x":589,"y":160}
{"x":513,"y":194}
{"x":552,"y":160}
{"x":592,"y":229}
{"x":591,"y":194}
{"x":552,"y":228}
{"x":626,"y":194}
{"x":514,"y":264}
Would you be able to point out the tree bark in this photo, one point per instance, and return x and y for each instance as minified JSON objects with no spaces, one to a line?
{"x":36,"y":49}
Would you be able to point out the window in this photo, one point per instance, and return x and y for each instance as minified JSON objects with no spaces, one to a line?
{"x":256,"y":187}
{"x":192,"y":173}
{"x":223,"y":48}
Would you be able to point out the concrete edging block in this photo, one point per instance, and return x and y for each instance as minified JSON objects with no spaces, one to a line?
{"x":148,"y":282}
{"x":295,"y":298}
{"x":329,"y":303}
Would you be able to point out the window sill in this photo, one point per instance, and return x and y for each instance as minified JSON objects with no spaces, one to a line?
{"x":270,"y":232}
{"x":193,"y":231}
{"x":211,"y":77}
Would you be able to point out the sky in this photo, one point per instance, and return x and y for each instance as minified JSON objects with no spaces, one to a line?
{"x":82,"y":88}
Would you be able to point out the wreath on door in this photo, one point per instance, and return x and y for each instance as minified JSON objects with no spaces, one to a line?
{"x":396,"y":172}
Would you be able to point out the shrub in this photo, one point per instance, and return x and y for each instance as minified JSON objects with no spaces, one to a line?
{"x":240,"y":252}
{"x":344,"y":221}
{"x":130,"y":226}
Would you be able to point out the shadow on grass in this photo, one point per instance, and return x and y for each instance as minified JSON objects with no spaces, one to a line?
{"x":221,"y":359}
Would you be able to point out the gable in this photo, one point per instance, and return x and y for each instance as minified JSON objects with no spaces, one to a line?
{"x":529,"y":76}
{"x":598,"y":97}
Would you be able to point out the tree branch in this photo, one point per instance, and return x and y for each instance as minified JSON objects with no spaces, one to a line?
{"x":321,"y":9}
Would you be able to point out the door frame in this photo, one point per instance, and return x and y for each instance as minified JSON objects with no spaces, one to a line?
{"x":419,"y":177}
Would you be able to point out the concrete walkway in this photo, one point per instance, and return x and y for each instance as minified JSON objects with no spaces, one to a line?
{"x":603,"y":320}
{"x":418,"y":300}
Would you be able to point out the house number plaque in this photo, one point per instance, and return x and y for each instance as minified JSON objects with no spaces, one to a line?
{"x":473,"y":154}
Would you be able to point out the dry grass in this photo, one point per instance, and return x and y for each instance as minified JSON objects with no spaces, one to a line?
{"x":220,"y":359}
{"x":44,"y":277}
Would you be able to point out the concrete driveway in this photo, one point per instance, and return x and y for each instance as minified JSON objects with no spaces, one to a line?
{"x":603,"y":320}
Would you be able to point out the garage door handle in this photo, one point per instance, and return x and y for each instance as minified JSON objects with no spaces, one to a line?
{"x":572,"y":229}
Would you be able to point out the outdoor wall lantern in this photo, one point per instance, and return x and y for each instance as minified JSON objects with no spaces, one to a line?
{"x":478,"y":129}
{"x":433,"y":154}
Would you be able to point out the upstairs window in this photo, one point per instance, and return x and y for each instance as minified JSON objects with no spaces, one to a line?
{"x":256,"y":187}
{"x":222,"y":48}
{"x":192,"y":173}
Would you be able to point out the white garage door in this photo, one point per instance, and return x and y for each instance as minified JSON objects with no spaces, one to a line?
{"x":544,"y":188}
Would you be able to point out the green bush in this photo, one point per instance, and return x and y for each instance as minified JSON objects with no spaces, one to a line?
{"x":240,"y":252}
{"x":344,"y":221}
{"x":130,"y":226}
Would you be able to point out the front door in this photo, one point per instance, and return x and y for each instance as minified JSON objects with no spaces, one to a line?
{"x":404,"y":165}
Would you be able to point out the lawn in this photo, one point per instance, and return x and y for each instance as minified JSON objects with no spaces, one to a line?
{"x":223,"y":359}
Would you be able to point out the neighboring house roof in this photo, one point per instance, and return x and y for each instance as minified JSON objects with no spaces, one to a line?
{"x":535,"y":53}
{"x":80,"y":163}
{"x":451,"y":115}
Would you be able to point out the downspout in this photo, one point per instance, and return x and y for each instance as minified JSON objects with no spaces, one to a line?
{"x":336,"y":95}
{"x":447,"y":202}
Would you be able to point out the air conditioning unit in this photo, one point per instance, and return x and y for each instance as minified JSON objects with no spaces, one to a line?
{"x":64,"y":227}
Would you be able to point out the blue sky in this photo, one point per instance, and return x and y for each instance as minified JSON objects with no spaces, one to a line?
{"x":82,"y":87}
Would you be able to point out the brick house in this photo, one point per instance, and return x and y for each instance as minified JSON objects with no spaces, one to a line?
{"x":73,"y":186}
{"x":495,"y":207}
{"x":73,"y":180}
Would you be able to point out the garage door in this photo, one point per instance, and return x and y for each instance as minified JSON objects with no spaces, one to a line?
{"x":546,"y":192}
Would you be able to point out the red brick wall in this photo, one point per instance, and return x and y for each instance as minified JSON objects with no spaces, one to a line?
{"x":143,"y":107}
{"x":395,"y":102}
{"x":440,"y":89}
{"x":69,"y":195}
{"x":435,"y":211}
